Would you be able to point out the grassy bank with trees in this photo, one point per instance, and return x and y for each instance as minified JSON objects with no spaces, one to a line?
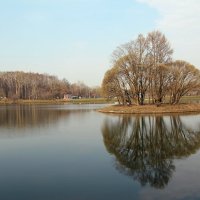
{"x":144,"y":72}
{"x":59,"y":101}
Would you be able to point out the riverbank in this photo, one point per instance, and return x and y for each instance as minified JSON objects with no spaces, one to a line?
{"x":152,"y":109}
{"x":57,"y":101}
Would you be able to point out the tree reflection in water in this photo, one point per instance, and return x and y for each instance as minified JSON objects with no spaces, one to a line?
{"x":20,"y":116}
{"x":145,"y":147}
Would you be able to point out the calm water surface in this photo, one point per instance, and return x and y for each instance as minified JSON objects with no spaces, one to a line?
{"x":72,"y":152}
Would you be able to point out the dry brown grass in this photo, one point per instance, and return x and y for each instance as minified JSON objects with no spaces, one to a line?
{"x":152,"y":109}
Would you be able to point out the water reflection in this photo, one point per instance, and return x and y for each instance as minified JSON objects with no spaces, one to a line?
{"x":21,"y":116}
{"x":145,"y":147}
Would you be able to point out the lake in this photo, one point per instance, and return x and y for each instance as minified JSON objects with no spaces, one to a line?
{"x":61,"y":152}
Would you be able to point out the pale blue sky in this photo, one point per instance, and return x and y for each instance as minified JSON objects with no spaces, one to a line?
{"x":74,"y":39}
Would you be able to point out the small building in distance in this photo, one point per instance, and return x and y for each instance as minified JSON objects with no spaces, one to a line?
{"x":70,"y":96}
{"x":67,"y":96}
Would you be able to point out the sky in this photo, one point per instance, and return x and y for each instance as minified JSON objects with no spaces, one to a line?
{"x":74,"y":39}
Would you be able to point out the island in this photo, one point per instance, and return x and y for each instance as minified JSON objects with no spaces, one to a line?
{"x":152,"y":109}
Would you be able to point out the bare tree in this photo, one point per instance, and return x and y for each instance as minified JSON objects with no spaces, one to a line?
{"x":132,"y":59}
{"x":112,"y":85}
{"x":160,"y":52}
{"x":144,"y":66}
{"x":184,"y":77}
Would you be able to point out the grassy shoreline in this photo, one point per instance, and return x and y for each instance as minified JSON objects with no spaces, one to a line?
{"x":152,"y":109}
{"x":56,"y":101}
{"x":118,"y":109}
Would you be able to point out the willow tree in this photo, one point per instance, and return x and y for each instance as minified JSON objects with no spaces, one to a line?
{"x":184,"y":78}
{"x":160,"y":83}
{"x":111,"y":85}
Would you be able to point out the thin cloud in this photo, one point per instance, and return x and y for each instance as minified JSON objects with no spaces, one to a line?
{"x":179,"y":20}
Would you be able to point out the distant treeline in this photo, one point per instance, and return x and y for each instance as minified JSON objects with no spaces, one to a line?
{"x":22,"y":85}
